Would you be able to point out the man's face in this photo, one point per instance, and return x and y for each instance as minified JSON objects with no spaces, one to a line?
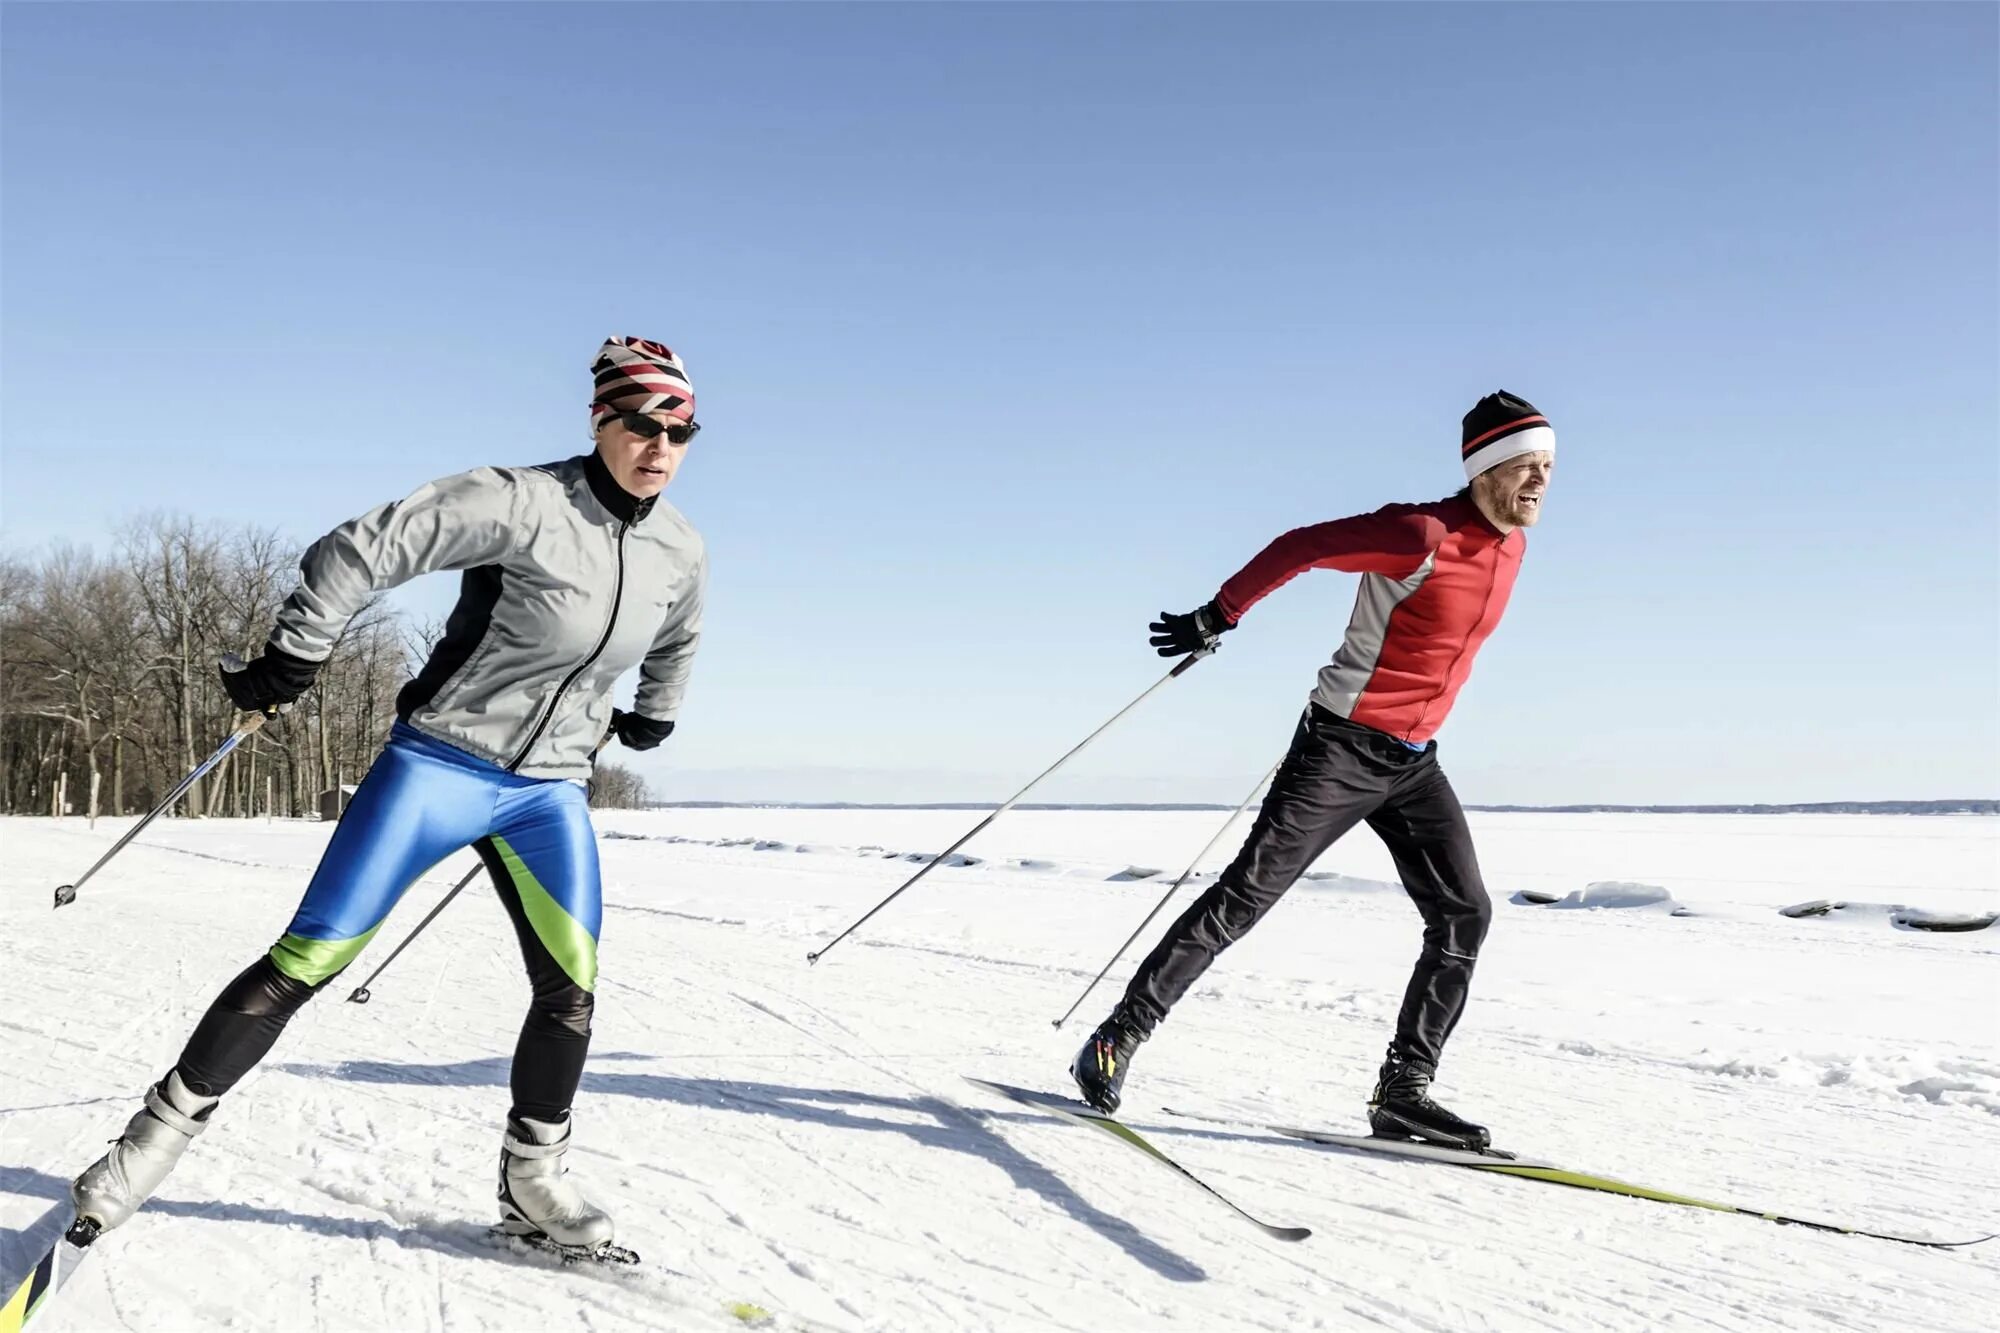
{"x":1511,"y":493}
{"x":642,"y":466}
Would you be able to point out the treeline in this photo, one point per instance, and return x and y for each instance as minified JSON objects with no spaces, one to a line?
{"x":108,"y":678}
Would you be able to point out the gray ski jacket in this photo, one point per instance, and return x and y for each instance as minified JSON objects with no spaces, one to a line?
{"x":569,"y":582}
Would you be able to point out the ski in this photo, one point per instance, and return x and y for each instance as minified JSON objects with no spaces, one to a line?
{"x":49,"y":1274}
{"x":606,"y":1253}
{"x":1081,"y":1114}
{"x":1415,"y":1149}
{"x":1553,"y":1174}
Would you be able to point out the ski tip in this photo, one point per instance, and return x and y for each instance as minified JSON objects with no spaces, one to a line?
{"x":1011,"y":1092}
{"x":1961,"y":1244}
{"x":1288,"y":1233}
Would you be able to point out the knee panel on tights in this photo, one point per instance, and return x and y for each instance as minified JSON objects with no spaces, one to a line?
{"x":262,"y":991}
{"x":567,"y":1009}
{"x":240,"y":1027}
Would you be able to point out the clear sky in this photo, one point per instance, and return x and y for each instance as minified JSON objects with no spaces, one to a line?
{"x":1013,"y":325}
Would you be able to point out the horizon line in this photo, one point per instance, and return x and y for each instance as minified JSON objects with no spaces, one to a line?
{"x":1976,"y":805}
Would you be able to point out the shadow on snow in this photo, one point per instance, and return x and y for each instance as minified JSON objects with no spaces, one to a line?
{"x":937,"y":1124}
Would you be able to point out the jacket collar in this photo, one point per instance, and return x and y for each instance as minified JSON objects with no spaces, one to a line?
{"x":624,"y":506}
{"x":1482,"y":524}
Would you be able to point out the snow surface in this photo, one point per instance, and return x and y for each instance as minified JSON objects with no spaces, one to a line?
{"x":799,"y":1140}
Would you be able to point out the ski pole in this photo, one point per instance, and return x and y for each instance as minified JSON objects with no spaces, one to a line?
{"x":361,"y":994}
{"x":66,"y":893}
{"x":929,"y":865}
{"x":1161,"y":905}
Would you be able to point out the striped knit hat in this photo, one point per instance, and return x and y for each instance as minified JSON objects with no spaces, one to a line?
{"x":1501,"y":426}
{"x":639,"y":375}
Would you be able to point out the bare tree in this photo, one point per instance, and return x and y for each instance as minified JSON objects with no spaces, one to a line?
{"x":80,"y":641}
{"x":20,"y":585}
{"x":174,"y":562}
{"x":256,"y":572}
{"x":113,"y":662}
{"x":124,"y":653}
{"x":616,"y":787}
{"x":419,"y":637}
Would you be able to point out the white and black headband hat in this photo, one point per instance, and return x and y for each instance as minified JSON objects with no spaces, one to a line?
{"x":1501,"y":426}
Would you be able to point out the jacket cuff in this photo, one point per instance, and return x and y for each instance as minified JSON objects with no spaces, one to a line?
{"x":289,"y":669}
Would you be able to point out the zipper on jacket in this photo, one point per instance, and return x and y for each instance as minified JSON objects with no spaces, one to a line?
{"x":555,"y":700}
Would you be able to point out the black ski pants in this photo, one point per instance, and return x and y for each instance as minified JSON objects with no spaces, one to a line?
{"x":1337,"y":774}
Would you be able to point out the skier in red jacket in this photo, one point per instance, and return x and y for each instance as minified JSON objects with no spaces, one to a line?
{"x":1435,"y":580}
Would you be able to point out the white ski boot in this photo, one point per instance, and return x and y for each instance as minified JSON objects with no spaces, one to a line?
{"x":115,"y":1185}
{"x":537,"y":1199}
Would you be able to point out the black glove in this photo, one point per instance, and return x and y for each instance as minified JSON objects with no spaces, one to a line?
{"x":273,"y":680}
{"x":1176,"y":636}
{"x":639,"y":733}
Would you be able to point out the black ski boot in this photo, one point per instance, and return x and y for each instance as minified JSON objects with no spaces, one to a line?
{"x":1402,"y":1108}
{"x":1099,"y":1069}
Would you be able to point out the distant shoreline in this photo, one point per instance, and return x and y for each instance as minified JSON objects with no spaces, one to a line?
{"x":1970,"y":807}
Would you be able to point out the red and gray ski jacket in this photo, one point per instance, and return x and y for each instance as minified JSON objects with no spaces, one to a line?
{"x":1434,"y":582}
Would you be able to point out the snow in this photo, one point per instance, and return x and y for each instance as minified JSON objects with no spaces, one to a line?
{"x":1609,"y":893}
{"x":798,"y":1139}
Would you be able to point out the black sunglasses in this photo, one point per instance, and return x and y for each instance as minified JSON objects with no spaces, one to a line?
{"x":678,"y":432}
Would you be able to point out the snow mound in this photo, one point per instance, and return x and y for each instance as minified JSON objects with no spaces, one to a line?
{"x":1608,"y":893}
{"x":1896,"y":914}
{"x":955,"y":859}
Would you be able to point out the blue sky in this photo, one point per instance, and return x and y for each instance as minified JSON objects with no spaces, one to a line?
{"x":1013,"y":325}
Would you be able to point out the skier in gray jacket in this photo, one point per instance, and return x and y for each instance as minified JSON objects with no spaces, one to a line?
{"x":574,"y":572}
